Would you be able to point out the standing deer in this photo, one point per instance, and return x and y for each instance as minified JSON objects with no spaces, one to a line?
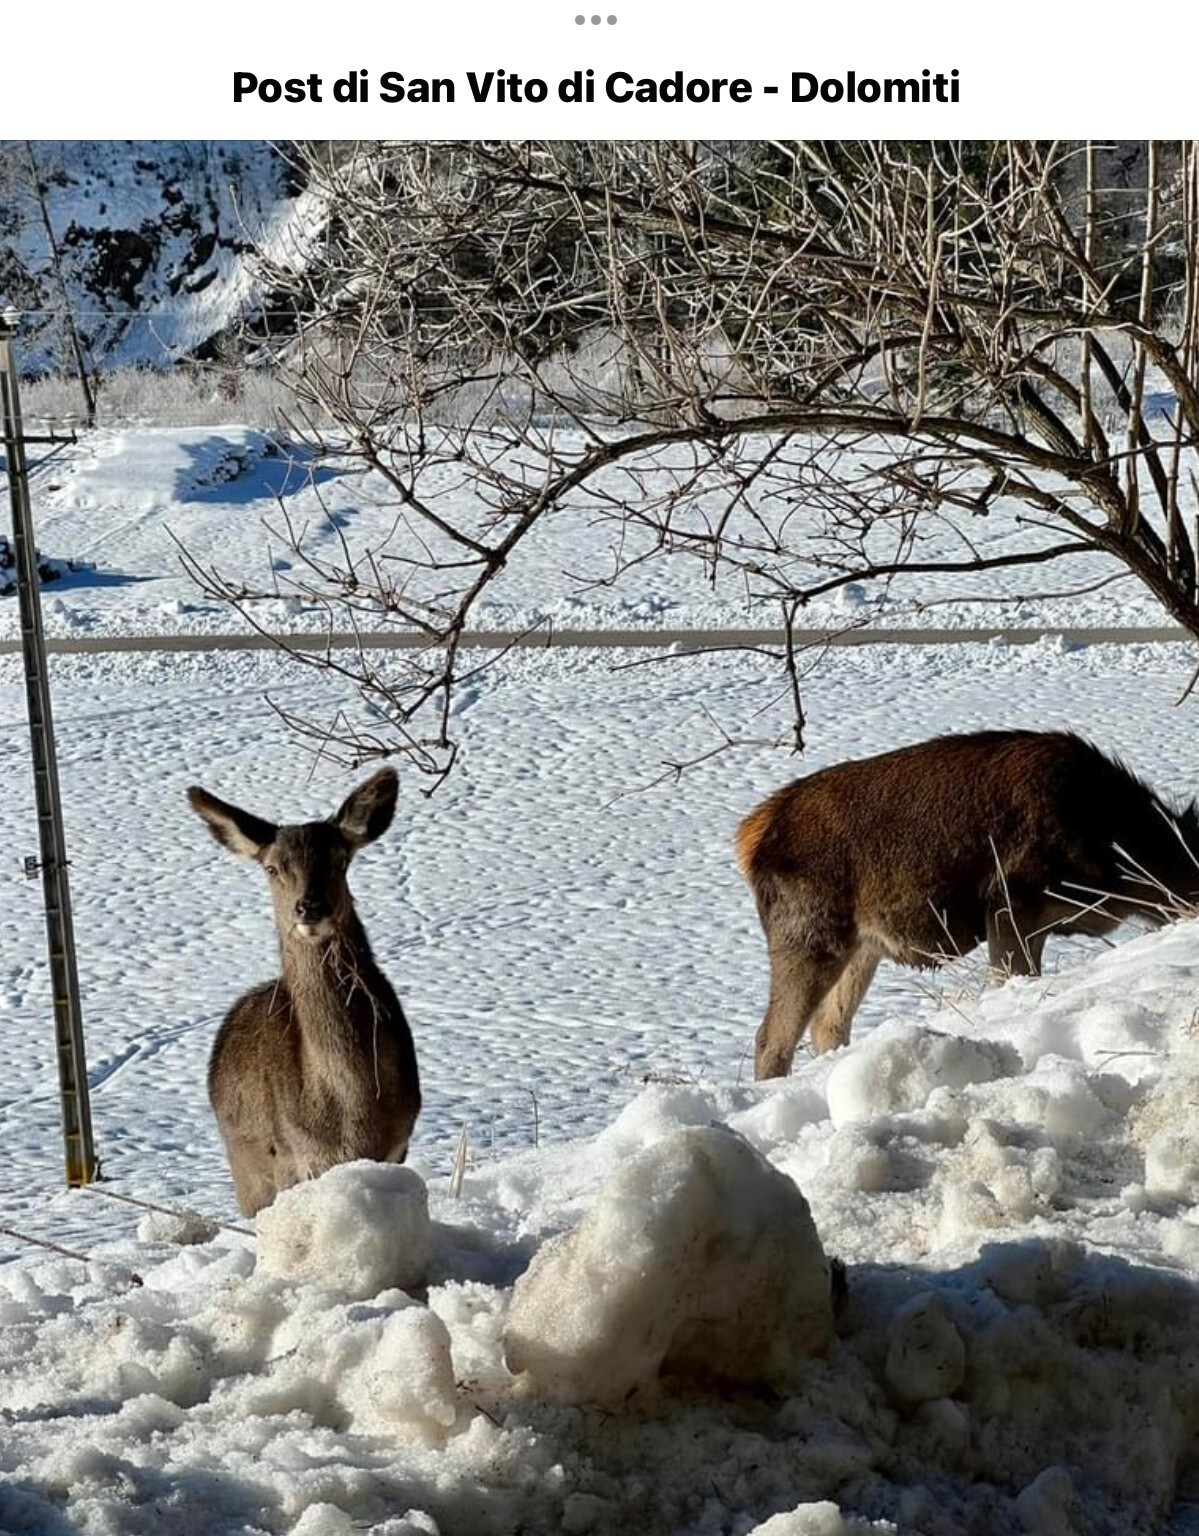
{"x":922,"y":853}
{"x":316,"y":1067}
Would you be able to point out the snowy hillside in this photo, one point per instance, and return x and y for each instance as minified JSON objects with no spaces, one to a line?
{"x":979,"y":1219}
{"x":153,"y":239}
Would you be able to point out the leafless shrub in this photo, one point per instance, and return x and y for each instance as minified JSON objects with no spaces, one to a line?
{"x":182,"y":395}
{"x":795,"y":361}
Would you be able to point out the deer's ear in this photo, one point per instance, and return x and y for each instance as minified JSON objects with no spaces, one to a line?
{"x":243,"y":834}
{"x":367,"y":813}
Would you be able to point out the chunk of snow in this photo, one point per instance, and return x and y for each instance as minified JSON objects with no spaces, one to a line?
{"x":1046,"y":1505}
{"x":1058,"y":1096}
{"x":967,"y":1208}
{"x":415,"y":1523}
{"x":896,"y":1070}
{"x":856,"y":1161}
{"x":1172,"y":1161}
{"x":781,"y":1115}
{"x":823,"y":1519}
{"x":405,"y":1377}
{"x":1018,"y":1179}
{"x":656,"y":1113}
{"x":361,"y":1228}
{"x":379,"y":1368}
{"x":926,"y":1357}
{"x":1028,"y":1273}
{"x":183,"y":1228}
{"x":323,"y":1520}
{"x":697,"y":1258}
{"x":941,"y":1431}
{"x":331,"y":1520}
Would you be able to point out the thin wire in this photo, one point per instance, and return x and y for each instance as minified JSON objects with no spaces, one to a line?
{"x":67,"y":1253}
{"x":158,"y":314}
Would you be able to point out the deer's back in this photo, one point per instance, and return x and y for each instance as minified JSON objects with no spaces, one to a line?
{"x":899,"y":845}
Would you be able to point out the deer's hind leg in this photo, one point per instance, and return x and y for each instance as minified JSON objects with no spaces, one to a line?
{"x":257,"y":1174}
{"x":833,"y":1019}
{"x":799,"y":982}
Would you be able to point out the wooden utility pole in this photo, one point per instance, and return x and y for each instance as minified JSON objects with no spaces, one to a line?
{"x":60,"y":934}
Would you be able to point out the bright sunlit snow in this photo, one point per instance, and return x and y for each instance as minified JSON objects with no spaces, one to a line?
{"x":583,"y":1341}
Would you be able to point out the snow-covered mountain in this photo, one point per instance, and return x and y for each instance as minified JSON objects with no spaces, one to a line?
{"x":153,"y":240}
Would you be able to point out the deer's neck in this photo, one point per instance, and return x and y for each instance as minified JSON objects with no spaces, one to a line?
{"x":335,"y":985}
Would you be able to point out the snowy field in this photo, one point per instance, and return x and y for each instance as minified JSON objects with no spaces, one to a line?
{"x":1006,"y":1173}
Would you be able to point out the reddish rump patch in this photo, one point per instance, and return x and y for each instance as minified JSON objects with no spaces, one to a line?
{"x":750,"y":833}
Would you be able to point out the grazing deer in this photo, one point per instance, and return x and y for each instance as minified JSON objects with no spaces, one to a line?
{"x":922,"y":853}
{"x":316,"y":1067}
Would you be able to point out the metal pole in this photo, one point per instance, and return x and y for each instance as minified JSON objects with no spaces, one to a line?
{"x":60,"y":935}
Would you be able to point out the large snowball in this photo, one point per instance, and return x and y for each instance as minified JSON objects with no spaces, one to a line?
{"x":361,"y":1228}
{"x":698,"y":1259}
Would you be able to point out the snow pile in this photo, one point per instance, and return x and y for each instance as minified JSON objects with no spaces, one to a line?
{"x":898,"y":1067}
{"x":1016,"y":1352}
{"x":219,"y":458}
{"x":329,"y":1520}
{"x":384,"y":1369}
{"x":360,"y":1229}
{"x":1164,"y":1124}
{"x":926,"y":1357}
{"x":698,"y":1260}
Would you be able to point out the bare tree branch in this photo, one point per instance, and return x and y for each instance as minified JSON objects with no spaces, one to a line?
{"x":803,"y":365}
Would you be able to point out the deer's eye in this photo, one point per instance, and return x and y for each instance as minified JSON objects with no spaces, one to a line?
{"x":272,"y":870}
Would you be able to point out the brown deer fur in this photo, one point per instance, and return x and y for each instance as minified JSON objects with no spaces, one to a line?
{"x":316,"y":1067}
{"x":922,"y":853}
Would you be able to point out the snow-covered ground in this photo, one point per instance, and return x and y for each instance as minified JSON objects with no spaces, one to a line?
{"x":1006,"y":1173}
{"x":125,"y":501}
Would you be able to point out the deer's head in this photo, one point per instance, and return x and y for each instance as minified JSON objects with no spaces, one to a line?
{"x":305,"y":864}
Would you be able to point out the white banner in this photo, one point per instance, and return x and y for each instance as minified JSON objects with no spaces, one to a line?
{"x":559,"y":69}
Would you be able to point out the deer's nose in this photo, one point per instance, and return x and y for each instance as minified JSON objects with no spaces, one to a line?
{"x":309,"y":909}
